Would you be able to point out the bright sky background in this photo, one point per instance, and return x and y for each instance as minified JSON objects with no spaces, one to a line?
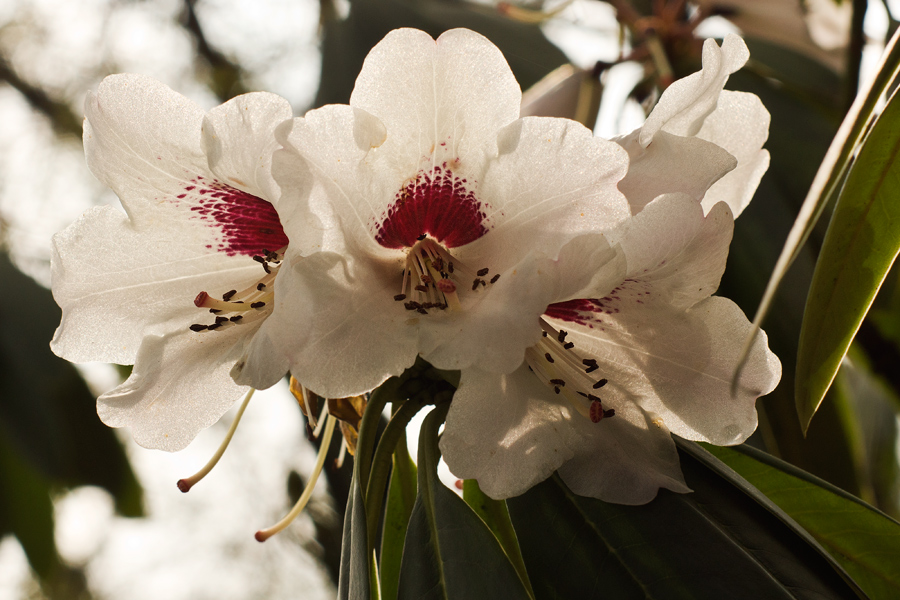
{"x":197,"y":545}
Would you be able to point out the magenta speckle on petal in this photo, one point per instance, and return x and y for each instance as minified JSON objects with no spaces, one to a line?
{"x":437,"y":204}
{"x":583,"y":311}
{"x":248,"y":225}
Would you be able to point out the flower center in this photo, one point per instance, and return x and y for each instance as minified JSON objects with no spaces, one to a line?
{"x":437,"y":203}
{"x":245,"y":306}
{"x":433,"y":279}
{"x":559,"y":365}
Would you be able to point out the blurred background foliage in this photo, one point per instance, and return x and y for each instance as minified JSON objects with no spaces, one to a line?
{"x":806,"y":58}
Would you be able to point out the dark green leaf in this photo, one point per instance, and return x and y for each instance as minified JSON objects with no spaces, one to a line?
{"x":862,"y":241}
{"x":47,"y":412}
{"x":717,"y":542}
{"x":864,"y":540}
{"x":495,"y":515}
{"x":26,"y":510}
{"x":449,"y":552}
{"x":401,"y":498}
{"x":354,"y":579}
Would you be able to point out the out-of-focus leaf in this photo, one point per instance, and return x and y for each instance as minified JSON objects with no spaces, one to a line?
{"x":401,"y":498}
{"x":566,"y":92}
{"x":354,"y":581}
{"x":862,"y":241}
{"x":47,"y":412}
{"x":449,"y":552}
{"x":724,"y":540}
{"x":346,"y":42}
{"x":864,"y":540}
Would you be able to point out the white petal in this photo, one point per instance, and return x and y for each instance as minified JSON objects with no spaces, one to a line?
{"x":179,"y":386}
{"x":493,"y":332}
{"x":675,"y":255}
{"x":679,"y":365}
{"x":117,"y":283}
{"x":337,"y":322}
{"x":509,"y":432}
{"x":239,"y":140}
{"x":551,"y":181}
{"x":671,"y":163}
{"x":437,"y":98}
{"x":740,"y":125}
{"x":623,"y":459}
{"x":688,"y":101}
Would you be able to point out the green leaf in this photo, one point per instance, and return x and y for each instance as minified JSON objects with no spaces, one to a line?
{"x":354,"y":581}
{"x":827,"y":182}
{"x":46,"y":409}
{"x":400,"y":502}
{"x":721,"y":541}
{"x":495,"y":515}
{"x":862,"y":241}
{"x":26,"y":510}
{"x":863,"y":539}
{"x":449,"y":552}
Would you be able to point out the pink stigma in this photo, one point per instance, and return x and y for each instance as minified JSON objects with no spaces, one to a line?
{"x":436,"y":204}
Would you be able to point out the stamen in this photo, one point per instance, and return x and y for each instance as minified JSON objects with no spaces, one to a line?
{"x":264,"y":534}
{"x":186,"y":484}
{"x":482,"y":272}
{"x":495,"y":278}
{"x":226,"y":296}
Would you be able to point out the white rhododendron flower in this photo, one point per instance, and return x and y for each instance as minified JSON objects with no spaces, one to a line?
{"x":699,"y":139}
{"x":181,"y":281}
{"x":446,"y":215}
{"x":657,"y":354}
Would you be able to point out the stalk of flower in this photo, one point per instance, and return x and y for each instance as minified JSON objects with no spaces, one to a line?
{"x":181,"y":281}
{"x":444,"y":215}
{"x":619,"y":372}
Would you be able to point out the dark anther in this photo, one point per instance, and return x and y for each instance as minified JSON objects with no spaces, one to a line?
{"x":214,"y":326}
{"x":556,"y":389}
{"x":568,"y":345}
{"x":592,"y":368}
{"x":562,"y":335}
{"x":600,"y":384}
{"x":548,"y":357}
{"x":421,"y":288}
{"x":450,"y":266}
{"x":558,"y":382}
{"x":495,"y":278}
{"x":421,"y":237}
{"x":198,"y":327}
{"x":260,"y":287}
{"x":227,"y":295}
{"x":482,"y":272}
{"x":400,"y":297}
{"x":421,"y":310}
{"x":266,"y":268}
{"x":409,"y":305}
{"x":259,"y":259}
{"x":214,"y":310}
{"x":236,"y":318}
{"x":476,"y":283}
{"x":427,"y":280}
{"x":544,"y":334}
{"x":589,"y":361}
{"x":593,"y":398}
{"x":609,"y":412}
{"x":221,"y":319}
{"x":257,"y":305}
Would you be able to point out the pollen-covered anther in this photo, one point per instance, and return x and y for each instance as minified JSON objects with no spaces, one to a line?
{"x":565,"y":370}
{"x":431,"y":278}
{"x":244,"y":306}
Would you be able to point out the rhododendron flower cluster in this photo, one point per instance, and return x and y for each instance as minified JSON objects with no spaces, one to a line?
{"x":568,"y":278}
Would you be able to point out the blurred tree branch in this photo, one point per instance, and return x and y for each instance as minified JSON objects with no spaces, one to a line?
{"x":226,"y":78}
{"x":60,"y":114}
